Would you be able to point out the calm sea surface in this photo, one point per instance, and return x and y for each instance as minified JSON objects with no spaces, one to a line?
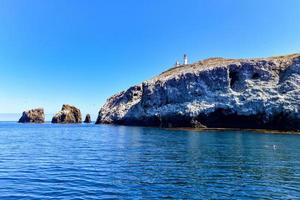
{"x":116,"y":162}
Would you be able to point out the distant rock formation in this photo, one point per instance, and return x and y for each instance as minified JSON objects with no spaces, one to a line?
{"x":87,"y":119}
{"x":216,"y":93}
{"x":68,"y":114}
{"x":33,"y":116}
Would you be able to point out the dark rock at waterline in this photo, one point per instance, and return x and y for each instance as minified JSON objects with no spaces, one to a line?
{"x":33,"y":116}
{"x":68,"y":114}
{"x":196,"y":124}
{"x":87,"y":119}
{"x":216,"y":93}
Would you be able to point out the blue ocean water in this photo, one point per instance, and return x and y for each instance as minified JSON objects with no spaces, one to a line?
{"x":49,"y":161}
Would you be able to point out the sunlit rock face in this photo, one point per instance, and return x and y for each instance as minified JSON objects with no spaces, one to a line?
{"x":33,"y":116}
{"x":214,"y":93}
{"x":68,"y":114}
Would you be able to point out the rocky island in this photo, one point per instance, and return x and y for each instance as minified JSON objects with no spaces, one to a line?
{"x":214,"y":93}
{"x":33,"y":116}
{"x":87,"y":119}
{"x":68,"y":114}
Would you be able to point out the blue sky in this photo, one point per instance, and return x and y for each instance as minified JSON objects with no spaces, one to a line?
{"x":81,"y":52}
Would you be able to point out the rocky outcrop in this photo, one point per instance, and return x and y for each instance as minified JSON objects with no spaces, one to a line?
{"x":33,"y":116}
{"x":216,"y":93}
{"x":87,"y":119}
{"x":68,"y":114}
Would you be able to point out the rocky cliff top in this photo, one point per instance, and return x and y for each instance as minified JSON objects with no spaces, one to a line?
{"x":218,"y":62}
{"x":216,"y":92}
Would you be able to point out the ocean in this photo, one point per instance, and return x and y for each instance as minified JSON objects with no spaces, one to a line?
{"x":87,"y":161}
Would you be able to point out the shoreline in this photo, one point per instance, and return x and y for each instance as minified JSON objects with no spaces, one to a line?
{"x":261,"y":131}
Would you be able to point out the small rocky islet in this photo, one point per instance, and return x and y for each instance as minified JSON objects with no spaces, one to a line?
{"x":87,"y":119}
{"x":68,"y":115}
{"x":36,"y":115}
{"x":259,"y":93}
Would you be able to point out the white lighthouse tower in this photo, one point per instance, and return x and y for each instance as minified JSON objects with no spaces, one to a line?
{"x":185,"y":59}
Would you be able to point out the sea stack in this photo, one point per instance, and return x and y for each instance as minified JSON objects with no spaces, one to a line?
{"x":87,"y":119}
{"x":68,"y":114}
{"x":33,"y":116}
{"x":215,"y":93}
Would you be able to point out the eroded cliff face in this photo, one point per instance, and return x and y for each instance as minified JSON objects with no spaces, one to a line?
{"x":226,"y":93}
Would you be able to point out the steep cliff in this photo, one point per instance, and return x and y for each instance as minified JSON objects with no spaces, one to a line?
{"x":217,"y":92}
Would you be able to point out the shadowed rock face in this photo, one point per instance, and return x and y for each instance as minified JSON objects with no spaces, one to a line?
{"x":216,"y":93}
{"x":33,"y":116}
{"x":87,"y":119}
{"x":68,"y":114}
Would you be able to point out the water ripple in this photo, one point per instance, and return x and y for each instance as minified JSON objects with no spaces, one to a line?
{"x":113,"y":162}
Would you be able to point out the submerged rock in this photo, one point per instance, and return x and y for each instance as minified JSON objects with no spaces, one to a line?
{"x":87,"y":119}
{"x":68,"y":114}
{"x":33,"y":116}
{"x":216,"y":93}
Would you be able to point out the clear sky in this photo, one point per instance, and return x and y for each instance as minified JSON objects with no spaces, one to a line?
{"x":81,"y":52}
